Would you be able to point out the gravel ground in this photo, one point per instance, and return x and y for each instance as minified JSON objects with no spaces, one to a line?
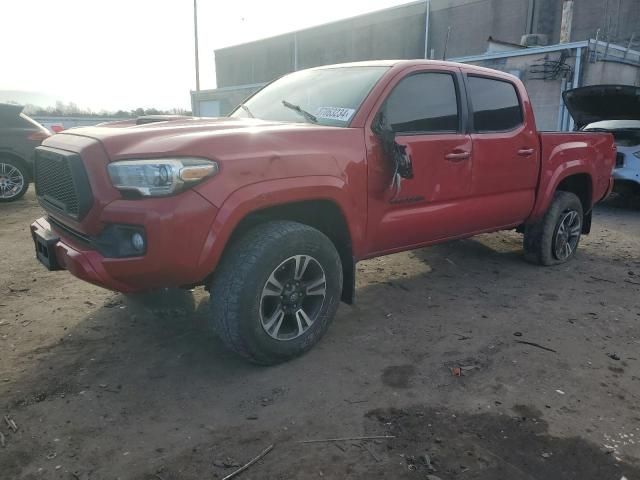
{"x":103,"y":386}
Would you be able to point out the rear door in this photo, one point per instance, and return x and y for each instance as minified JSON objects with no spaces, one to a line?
{"x":426,"y":108}
{"x":506,"y":152}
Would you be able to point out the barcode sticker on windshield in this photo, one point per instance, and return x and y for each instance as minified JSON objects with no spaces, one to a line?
{"x":335,"y":113}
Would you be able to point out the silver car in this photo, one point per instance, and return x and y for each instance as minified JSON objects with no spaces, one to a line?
{"x":614,"y":109}
{"x":627,"y":134}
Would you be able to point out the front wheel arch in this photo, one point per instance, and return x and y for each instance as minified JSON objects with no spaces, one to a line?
{"x":249,"y":267}
{"x":324,"y":215}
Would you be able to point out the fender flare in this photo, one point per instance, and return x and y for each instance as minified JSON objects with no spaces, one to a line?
{"x":272,"y":193}
{"x":549,"y":185}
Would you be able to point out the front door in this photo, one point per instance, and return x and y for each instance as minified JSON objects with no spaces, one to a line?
{"x":424,"y":109}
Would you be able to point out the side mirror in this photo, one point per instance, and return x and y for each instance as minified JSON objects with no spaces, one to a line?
{"x":395,"y":152}
{"x":378,"y":123}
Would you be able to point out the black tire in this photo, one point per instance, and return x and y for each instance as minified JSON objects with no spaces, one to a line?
{"x":541,"y":240}
{"x":238,"y":299}
{"x":17,"y":169}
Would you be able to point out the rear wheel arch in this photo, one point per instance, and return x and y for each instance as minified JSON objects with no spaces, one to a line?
{"x":555,"y":237}
{"x":581,"y":185}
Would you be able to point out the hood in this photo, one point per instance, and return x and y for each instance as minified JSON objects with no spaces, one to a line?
{"x":603,"y":102}
{"x":186,"y":135}
{"x":9,"y":110}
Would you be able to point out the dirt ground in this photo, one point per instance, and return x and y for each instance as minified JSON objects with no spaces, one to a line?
{"x":101,"y":386}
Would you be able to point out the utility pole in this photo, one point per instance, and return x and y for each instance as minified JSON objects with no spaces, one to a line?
{"x":426,"y":28}
{"x":195,"y":37}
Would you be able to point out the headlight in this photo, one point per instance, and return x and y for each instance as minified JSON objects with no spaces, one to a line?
{"x":636,"y":154}
{"x":160,"y":177}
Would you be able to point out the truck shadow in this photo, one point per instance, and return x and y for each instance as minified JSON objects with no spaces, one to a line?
{"x":151,"y":360}
{"x":486,"y":446}
{"x":161,"y":341}
{"x":622,"y":202}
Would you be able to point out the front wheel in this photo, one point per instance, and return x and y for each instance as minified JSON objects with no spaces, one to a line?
{"x":14,"y":180}
{"x":276,"y":291}
{"x":555,"y":238}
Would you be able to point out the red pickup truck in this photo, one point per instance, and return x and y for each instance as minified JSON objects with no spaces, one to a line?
{"x":271,"y":207}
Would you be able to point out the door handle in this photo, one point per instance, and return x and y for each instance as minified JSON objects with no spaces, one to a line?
{"x":526,"y":152}
{"x":457,"y":156}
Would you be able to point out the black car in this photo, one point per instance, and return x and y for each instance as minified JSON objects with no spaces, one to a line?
{"x":19,"y":136}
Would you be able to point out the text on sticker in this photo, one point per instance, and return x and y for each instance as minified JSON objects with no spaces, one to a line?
{"x":335,"y":113}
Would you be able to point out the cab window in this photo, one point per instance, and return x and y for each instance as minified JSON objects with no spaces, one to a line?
{"x":496,"y":107}
{"x":423,"y":103}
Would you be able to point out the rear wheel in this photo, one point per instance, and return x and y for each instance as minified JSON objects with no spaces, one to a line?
{"x":14,"y":180}
{"x":276,"y":291}
{"x":555,"y":238}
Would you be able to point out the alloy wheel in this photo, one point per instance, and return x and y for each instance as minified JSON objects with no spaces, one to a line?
{"x":567,"y":234}
{"x":11,"y":181}
{"x":292,"y":297}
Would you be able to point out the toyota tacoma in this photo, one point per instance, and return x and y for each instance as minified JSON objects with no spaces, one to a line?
{"x":271,"y":207}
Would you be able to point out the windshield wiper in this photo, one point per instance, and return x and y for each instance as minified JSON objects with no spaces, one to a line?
{"x":296,"y":108}
{"x":246,"y":109}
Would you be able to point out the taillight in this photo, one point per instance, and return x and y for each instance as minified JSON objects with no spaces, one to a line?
{"x":39,"y":135}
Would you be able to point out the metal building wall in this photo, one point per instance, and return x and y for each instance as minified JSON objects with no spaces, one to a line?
{"x":617,"y":20}
{"x":392,"y":33}
{"x":399,"y":32}
{"x":473,"y":21}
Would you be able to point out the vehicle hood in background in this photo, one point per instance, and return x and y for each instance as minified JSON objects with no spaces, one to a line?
{"x":603,"y":102}
{"x":8,"y":110}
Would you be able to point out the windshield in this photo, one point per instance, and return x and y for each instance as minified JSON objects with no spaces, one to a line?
{"x":327,"y":96}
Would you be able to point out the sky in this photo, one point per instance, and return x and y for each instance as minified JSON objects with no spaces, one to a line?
{"x":125,"y":54}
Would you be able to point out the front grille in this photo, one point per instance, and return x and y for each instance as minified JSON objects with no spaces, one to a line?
{"x":619,"y":160}
{"x":55,"y":183}
{"x":62,"y":183}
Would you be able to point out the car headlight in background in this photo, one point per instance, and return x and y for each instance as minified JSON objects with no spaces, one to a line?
{"x":160,"y":177}
{"x":636,"y":154}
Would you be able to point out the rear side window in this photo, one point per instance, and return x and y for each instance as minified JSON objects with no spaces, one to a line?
{"x":496,"y":107}
{"x":423,"y":103}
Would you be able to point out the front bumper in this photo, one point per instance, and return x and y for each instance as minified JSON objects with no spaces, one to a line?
{"x":86,"y":265}
{"x":176,"y":230}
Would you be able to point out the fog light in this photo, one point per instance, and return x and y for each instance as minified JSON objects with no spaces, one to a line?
{"x":137,"y":241}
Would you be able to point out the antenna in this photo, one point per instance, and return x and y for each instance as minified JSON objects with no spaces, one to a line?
{"x":446,"y":43}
